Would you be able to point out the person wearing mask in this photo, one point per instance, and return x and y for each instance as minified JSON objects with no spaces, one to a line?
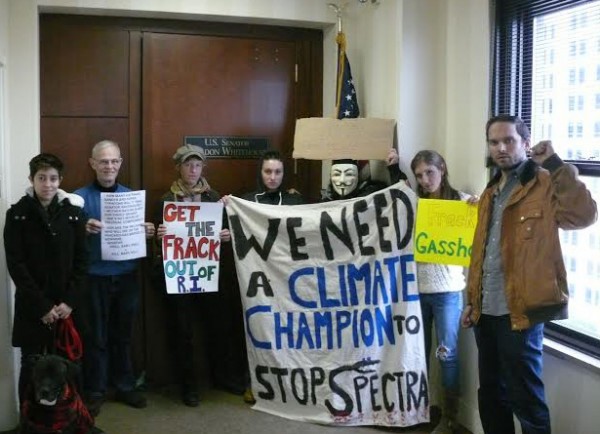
{"x":344,"y":182}
{"x":517,"y":279}
{"x":440,"y":288}
{"x":113,"y":295}
{"x":190,"y":186}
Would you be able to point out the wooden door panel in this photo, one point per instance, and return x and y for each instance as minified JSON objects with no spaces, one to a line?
{"x":213,"y":86}
{"x":72,"y":139}
{"x":202,"y":85}
{"x":84,"y":70}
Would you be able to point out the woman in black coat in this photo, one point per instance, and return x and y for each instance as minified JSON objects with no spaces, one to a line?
{"x":46,"y":254}
{"x":270,"y":192}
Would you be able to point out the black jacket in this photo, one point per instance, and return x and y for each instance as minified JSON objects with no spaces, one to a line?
{"x":275,"y":197}
{"x":278,"y":197}
{"x":46,"y":254}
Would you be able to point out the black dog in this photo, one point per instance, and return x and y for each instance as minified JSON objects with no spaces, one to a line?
{"x":52,"y":403}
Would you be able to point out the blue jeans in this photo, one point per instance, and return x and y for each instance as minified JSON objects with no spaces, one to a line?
{"x":112,"y":305}
{"x":510,"y":377}
{"x":443,"y":310}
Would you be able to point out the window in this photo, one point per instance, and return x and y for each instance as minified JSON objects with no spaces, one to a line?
{"x":521,"y":34}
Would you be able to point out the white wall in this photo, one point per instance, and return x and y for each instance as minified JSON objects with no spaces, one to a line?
{"x":422,"y":62}
{"x":8,"y":407}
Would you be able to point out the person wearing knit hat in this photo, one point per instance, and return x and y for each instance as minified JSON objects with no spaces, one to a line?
{"x":189,"y":186}
{"x":187,"y":151}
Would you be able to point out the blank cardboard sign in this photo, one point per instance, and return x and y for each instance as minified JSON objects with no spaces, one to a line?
{"x":329,"y":138}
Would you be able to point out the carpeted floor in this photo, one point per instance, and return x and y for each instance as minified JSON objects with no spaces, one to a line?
{"x":219,"y":413}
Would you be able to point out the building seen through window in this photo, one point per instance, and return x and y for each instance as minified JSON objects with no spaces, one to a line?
{"x":572,"y":36}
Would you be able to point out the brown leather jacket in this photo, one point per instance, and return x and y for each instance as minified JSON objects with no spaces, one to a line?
{"x":548,"y":198}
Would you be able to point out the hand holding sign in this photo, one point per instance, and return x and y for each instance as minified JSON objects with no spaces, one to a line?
{"x":93,"y":226}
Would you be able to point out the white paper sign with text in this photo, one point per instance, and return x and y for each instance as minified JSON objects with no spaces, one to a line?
{"x":123,"y":235}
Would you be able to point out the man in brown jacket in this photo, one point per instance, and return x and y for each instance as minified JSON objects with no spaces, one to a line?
{"x":517,"y":278}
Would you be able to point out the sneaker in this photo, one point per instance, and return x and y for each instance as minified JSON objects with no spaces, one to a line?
{"x":249,"y":397}
{"x":93,"y":404}
{"x":132,"y":398}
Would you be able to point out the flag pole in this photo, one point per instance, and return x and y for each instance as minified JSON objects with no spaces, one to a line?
{"x":340,"y":40}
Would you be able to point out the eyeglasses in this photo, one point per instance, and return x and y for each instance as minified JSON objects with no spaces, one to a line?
{"x":106,"y":163}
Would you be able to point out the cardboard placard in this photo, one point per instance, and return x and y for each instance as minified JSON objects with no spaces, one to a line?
{"x":329,"y":138}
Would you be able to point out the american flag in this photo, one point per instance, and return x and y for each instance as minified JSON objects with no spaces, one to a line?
{"x":346,"y":101}
{"x":347,"y":104}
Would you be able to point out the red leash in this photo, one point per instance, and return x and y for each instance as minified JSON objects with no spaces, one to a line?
{"x":67,"y":339}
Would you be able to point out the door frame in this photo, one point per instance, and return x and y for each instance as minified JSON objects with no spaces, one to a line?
{"x":306,"y":176}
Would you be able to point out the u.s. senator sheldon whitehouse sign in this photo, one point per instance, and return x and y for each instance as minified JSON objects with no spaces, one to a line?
{"x":331,"y":309}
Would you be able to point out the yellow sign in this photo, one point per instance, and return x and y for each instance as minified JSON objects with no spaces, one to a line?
{"x":444,"y":231}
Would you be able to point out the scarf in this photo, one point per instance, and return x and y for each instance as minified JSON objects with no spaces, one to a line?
{"x":179,"y":189}
{"x":69,"y":411}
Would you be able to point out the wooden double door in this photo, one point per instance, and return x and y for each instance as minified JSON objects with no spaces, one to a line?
{"x":149,"y":83}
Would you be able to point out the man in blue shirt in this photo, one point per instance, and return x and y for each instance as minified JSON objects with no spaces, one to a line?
{"x":113,"y":294}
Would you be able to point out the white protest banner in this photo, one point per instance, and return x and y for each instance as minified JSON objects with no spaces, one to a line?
{"x":192,"y":247}
{"x":123,"y":235}
{"x":331,"y":309}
